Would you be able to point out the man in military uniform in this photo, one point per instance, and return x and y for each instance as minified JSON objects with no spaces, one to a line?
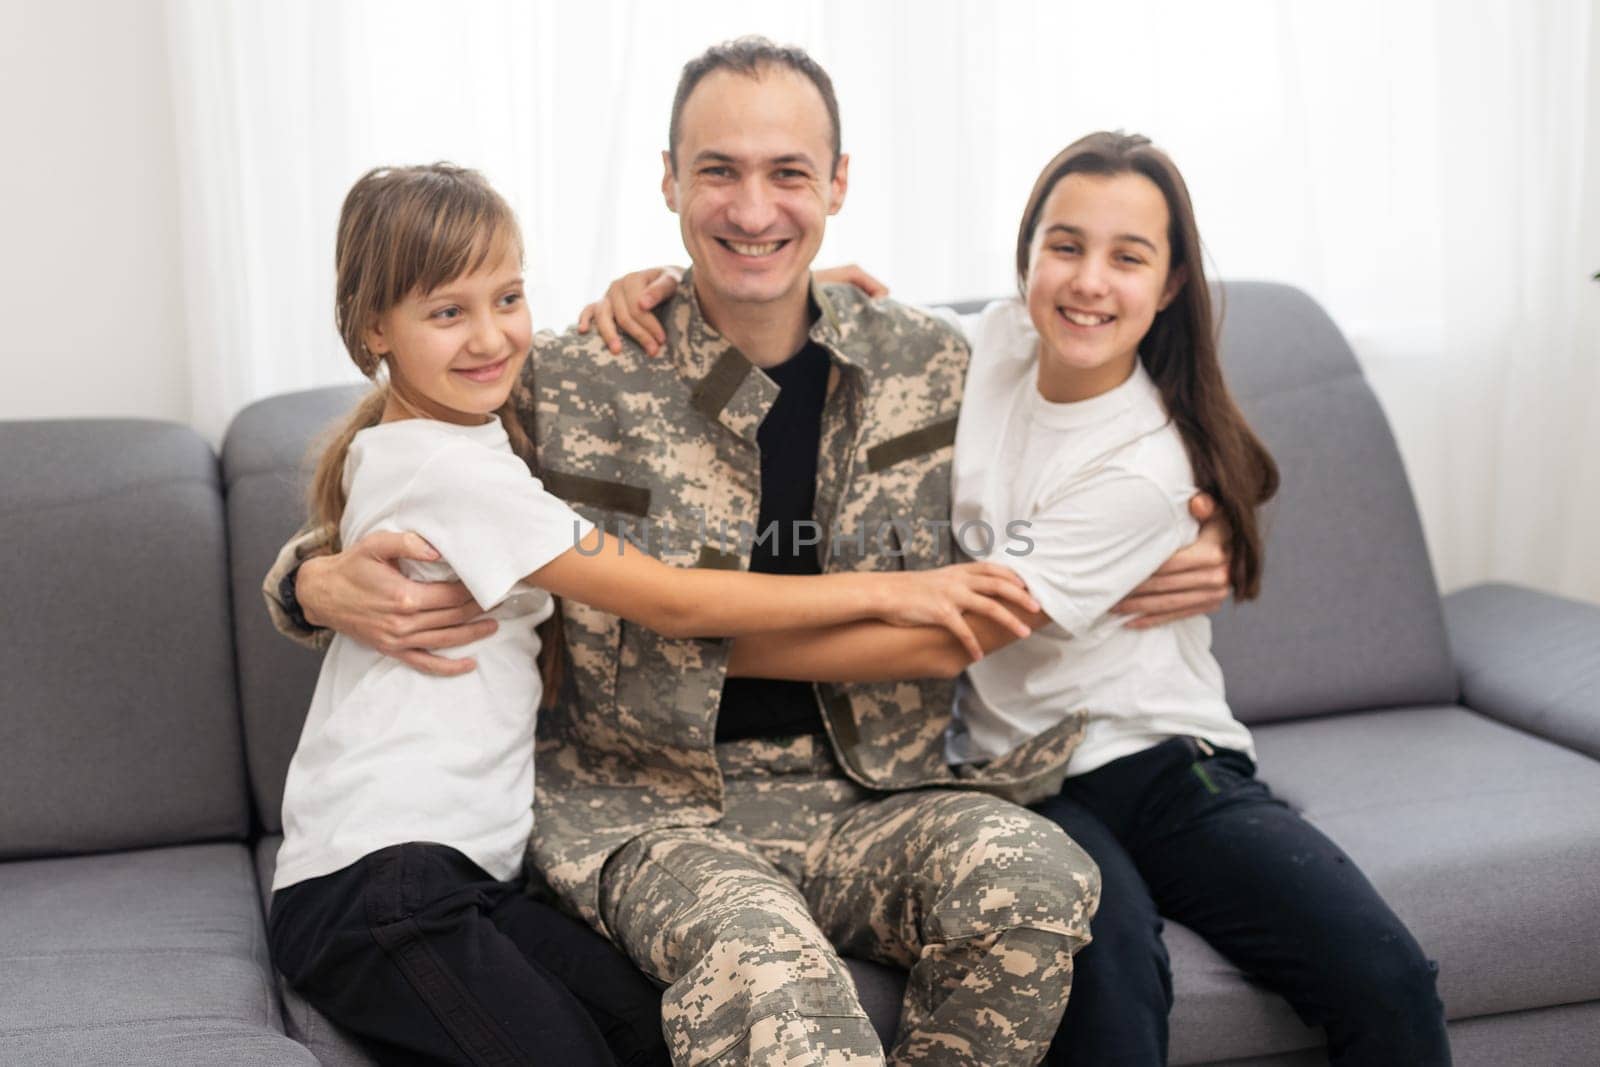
{"x":731,"y":832}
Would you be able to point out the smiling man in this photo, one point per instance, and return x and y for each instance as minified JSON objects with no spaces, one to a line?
{"x":730,"y":832}
{"x":753,"y":171}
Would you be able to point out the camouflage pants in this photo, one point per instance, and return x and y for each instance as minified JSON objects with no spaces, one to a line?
{"x":983,"y":901}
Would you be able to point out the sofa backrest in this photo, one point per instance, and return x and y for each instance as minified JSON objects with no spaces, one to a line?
{"x":266,"y":460}
{"x":1349,"y":616}
{"x":119,"y":725}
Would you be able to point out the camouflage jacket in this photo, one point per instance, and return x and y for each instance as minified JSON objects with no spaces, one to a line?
{"x":665,"y":451}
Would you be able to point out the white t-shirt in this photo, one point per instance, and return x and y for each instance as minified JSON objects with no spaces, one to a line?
{"x":1104,"y":484}
{"x":389,"y":754}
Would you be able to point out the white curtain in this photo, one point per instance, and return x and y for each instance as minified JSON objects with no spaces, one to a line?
{"x":1429,"y":171}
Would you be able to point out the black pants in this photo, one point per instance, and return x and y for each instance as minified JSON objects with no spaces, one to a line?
{"x":428,"y":959}
{"x":1195,"y":837}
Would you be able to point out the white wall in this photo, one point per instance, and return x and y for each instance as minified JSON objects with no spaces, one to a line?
{"x":91,"y":274}
{"x":95,"y":315}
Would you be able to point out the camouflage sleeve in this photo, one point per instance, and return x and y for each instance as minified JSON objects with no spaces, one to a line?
{"x":309,"y":541}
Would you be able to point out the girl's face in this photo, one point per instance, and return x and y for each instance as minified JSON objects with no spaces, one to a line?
{"x":455,"y":353}
{"x":1098,"y":273}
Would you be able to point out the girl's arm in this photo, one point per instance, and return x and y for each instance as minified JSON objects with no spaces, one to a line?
{"x":608,"y":573}
{"x":1087,"y":550}
{"x":628,"y":302}
{"x":866,"y":651}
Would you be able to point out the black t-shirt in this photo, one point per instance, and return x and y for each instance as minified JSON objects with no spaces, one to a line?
{"x":789,"y":437}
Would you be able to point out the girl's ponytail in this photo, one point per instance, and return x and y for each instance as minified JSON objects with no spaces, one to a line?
{"x":327,"y":497}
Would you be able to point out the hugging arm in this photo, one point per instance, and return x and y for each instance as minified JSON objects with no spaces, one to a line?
{"x":867,"y":651}
{"x":1090,"y":549}
{"x":626,"y":307}
{"x":1193,"y":581}
{"x":361,"y":593}
{"x":608,"y":573}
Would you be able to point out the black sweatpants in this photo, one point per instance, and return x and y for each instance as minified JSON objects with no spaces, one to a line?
{"x":1192,"y":835}
{"x":429,"y":959}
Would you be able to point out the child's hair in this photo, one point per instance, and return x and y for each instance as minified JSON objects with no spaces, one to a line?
{"x":1180,"y":350}
{"x":405,"y":230}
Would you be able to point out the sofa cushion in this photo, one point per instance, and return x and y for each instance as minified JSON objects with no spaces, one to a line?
{"x":1483,"y":839}
{"x":118,"y":722}
{"x":266,"y":462}
{"x":1349,"y":616}
{"x":149,"y":957}
{"x":333,"y":1046}
{"x":179,"y":1043}
{"x":1564,"y":1036}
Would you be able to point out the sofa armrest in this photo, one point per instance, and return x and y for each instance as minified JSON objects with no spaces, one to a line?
{"x":1530,"y":660}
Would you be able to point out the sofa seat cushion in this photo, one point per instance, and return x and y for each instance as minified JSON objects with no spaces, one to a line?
{"x":149,"y":957}
{"x":1482,"y":838}
{"x":332,"y":1046}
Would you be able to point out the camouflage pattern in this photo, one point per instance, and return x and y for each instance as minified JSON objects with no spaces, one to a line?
{"x":627,"y":440}
{"x":309,"y":541}
{"x":629,"y":780}
{"x":983,"y":901}
{"x":676,"y":438}
{"x":750,"y":977}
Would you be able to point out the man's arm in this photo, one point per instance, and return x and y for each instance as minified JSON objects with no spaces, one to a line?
{"x":1194,"y":581}
{"x":628,"y":302}
{"x":361,"y":593}
{"x":287,"y":615}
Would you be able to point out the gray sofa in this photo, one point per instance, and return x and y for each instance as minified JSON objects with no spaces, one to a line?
{"x":148,"y":711}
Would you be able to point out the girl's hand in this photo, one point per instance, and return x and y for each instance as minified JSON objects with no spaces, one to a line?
{"x":940,"y":597}
{"x":626,"y":309}
{"x":850,"y":274}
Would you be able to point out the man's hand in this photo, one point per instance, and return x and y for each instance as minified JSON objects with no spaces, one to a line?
{"x":1193,"y":582}
{"x":361,"y":593}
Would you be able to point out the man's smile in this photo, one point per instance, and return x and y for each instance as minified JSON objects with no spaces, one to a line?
{"x":752,"y":249}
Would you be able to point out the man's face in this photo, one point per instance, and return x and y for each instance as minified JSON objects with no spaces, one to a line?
{"x":753,"y":187}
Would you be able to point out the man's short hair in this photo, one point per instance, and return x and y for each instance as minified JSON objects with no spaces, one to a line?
{"x":750,"y":56}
